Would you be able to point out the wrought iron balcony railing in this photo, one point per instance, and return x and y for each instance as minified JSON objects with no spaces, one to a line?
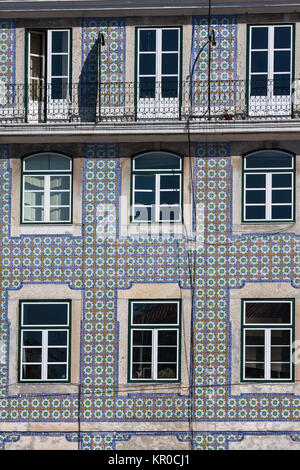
{"x":148,"y":100}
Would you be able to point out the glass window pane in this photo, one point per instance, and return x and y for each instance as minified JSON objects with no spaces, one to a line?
{"x":57,"y":354}
{"x":157,"y":161}
{"x":170,"y":197}
{"x":32,"y":338}
{"x":45,"y":314}
{"x":141,"y":371}
{"x":144,"y":182}
{"x":166,"y":371}
{"x":169,"y":40}
{"x":57,"y":338}
{"x":269,"y":159}
{"x":57,"y":371}
{"x":280,"y":354}
{"x":147,"y":87}
{"x":167,"y":337}
{"x":47,"y":162}
{"x":267,"y":312}
{"x":36,"y":67}
{"x":60,"y":42}
{"x":280,"y":371}
{"x":32,"y":214}
{"x":142,"y":354}
{"x":59,"y":88}
{"x":60,"y":182}
{"x":144,"y":198}
{"x":147,"y":40}
{"x":169,"y":87}
{"x":34,"y":199}
{"x":281,"y":337}
{"x":255,"y":197}
{"x":282,"y":196}
{"x":255,"y":337}
{"x":169,"y":64}
{"x":281,"y":212}
{"x":282,"y":37}
{"x":60,"y":214}
{"x":32,"y":183}
{"x":282,"y":61}
{"x":255,"y":181}
{"x":259,"y":38}
{"x":259,"y":62}
{"x":36,"y":43}
{"x":147,"y":64}
{"x":259,"y":85}
{"x":255,"y":213}
{"x":32,"y":355}
{"x":255,"y":354}
{"x":59,"y":199}
{"x":281,"y":180}
{"x":254,"y":371}
{"x":142,"y":337}
{"x":167,"y":354}
{"x":59,"y":66}
{"x":170,"y":182}
{"x":31,"y":372}
{"x":170,"y":213}
{"x":144,"y":214}
{"x":282,"y":85}
{"x":155,"y":313}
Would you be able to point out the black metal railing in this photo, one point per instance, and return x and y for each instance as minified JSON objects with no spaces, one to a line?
{"x":219,"y":100}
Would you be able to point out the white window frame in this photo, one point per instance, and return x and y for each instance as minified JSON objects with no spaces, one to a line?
{"x":44,"y":329}
{"x":267,"y":328}
{"x":268,"y":173}
{"x":155,"y":329}
{"x":47,"y":175}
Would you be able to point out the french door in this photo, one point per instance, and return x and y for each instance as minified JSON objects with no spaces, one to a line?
{"x":48,"y":74}
{"x":158,"y":72}
{"x":270,"y":70}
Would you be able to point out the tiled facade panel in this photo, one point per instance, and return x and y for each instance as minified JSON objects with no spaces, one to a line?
{"x":7,"y":60}
{"x":222,"y":62}
{"x":101,"y":267}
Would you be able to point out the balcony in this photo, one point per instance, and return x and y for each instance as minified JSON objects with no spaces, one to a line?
{"x":147,"y":101}
{"x":240,"y":110}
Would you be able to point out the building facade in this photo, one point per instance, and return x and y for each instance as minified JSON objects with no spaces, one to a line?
{"x":150,"y":222}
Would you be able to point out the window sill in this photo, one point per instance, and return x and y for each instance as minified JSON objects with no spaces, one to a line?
{"x":265,"y":227}
{"x":46,"y":229}
{"x":42,"y":389}
{"x":134,"y":388}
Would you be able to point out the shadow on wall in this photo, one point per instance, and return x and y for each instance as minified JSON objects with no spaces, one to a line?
{"x":88,"y":86}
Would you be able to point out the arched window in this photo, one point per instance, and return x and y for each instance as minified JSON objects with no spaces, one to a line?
{"x":46,"y":188}
{"x":268,"y":186}
{"x":156,"y":187}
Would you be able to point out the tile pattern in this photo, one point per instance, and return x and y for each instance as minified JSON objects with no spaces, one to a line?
{"x":7,"y":60}
{"x":222,"y":63}
{"x":103,"y":266}
{"x":111,"y":69}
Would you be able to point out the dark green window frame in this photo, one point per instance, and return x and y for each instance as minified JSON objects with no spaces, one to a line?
{"x":265,"y":343}
{"x":47,"y":173}
{"x":268,"y":187}
{"x":39,"y":345}
{"x":154,"y":330}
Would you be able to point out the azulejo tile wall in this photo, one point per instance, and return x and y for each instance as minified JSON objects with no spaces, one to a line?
{"x":102,"y":266}
{"x":7,"y":59}
{"x":111,"y":57}
{"x":222,"y":63}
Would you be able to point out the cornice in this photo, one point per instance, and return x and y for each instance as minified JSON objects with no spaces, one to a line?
{"x":75,"y":8}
